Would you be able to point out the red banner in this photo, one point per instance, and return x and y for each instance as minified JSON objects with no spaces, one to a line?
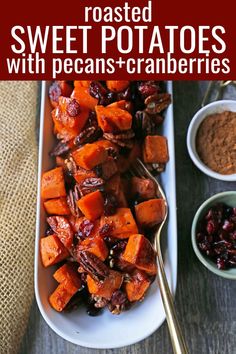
{"x":119,"y":39}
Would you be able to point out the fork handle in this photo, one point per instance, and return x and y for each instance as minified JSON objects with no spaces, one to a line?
{"x":177,"y":339}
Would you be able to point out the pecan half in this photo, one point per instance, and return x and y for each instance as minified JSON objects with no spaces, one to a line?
{"x":60,"y":149}
{"x":99,"y":302}
{"x":118,"y":302}
{"x":127,"y":134}
{"x":90,"y":185}
{"x":123,"y":139}
{"x":88,"y":135}
{"x":71,"y":199}
{"x":93,"y":265}
{"x":157,"y":103}
{"x":144,"y":123}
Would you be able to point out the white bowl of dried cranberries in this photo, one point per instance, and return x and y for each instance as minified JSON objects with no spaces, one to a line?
{"x":214,"y":234}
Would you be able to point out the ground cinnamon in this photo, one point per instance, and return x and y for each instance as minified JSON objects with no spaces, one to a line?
{"x":216,"y":142}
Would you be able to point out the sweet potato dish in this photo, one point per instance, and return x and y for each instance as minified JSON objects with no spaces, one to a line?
{"x":100,"y":218}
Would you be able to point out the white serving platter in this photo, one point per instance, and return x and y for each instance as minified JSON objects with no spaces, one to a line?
{"x":105,"y":330}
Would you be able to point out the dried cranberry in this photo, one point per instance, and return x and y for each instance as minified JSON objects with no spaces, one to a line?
{"x":105,"y":230}
{"x":221,"y":263}
{"x":209,"y":215}
{"x":204,"y":246}
{"x":59,"y":88}
{"x":73,"y":108}
{"x":96,"y":89}
{"x":216,"y":236}
{"x":211,"y":227}
{"x":228,"y":226}
{"x":107,"y":99}
{"x":85,"y":229}
{"x":110,"y":204}
{"x":223,"y":235}
{"x":148,"y":88}
{"x":118,"y":248}
{"x":118,"y":298}
{"x":110,"y":241}
{"x":55,"y":91}
{"x":124,"y":95}
{"x":219,"y":247}
{"x":233,"y":235}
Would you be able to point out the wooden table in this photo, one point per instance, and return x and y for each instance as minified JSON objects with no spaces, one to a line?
{"x":206,"y":303}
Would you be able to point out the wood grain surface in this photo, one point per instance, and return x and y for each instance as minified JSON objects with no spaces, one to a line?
{"x":206,"y":303}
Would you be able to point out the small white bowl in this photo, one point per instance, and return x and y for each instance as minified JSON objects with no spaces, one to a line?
{"x":211,"y":108}
{"x":228,"y":198}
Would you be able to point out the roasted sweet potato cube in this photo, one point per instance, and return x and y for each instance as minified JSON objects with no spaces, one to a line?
{"x":92,"y":205}
{"x":137,"y":286}
{"x":112,"y":119}
{"x":117,"y":85}
{"x":122,"y":223}
{"x":53,"y":185}
{"x":68,"y":272}
{"x":62,"y":228}
{"x":89,"y":156}
{"x":142,"y":188}
{"x":119,"y":104}
{"x":81,"y":174}
{"x":81,"y":94}
{"x":95,"y":245}
{"x":107,"y":287}
{"x":109,"y":168}
{"x":150,"y":212}
{"x":57,"y":206}
{"x":140,"y":253}
{"x":70,"y":114}
{"x":82,"y":83}
{"x":52,"y":250}
{"x":68,"y":126}
{"x":62,"y":132}
{"x":62,"y":295}
{"x":155,"y":149}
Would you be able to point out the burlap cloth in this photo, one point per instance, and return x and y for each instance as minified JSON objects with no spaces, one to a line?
{"x":18,"y":158}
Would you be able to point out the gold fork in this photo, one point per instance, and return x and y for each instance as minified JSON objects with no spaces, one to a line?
{"x":178,"y":343}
